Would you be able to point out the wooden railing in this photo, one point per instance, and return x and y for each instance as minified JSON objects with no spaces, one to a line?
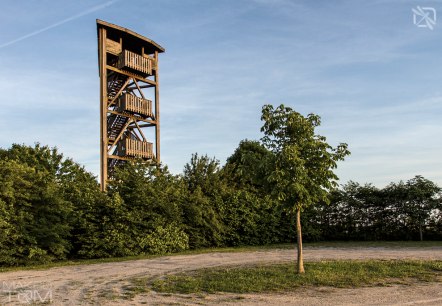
{"x":135,"y":104}
{"x":136,"y":148}
{"x":136,"y":62}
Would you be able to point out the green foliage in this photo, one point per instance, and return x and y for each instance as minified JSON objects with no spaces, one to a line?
{"x":34,"y":215}
{"x":304,"y":160}
{"x":52,"y":209}
{"x":400,"y":211}
{"x":146,"y":201}
{"x":202,"y":172}
{"x":201,"y":212}
{"x":250,"y":219}
{"x":249,"y":166}
{"x":166,"y":239}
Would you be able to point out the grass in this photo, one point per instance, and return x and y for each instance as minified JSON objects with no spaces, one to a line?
{"x":375,"y":244}
{"x":344,"y":244}
{"x":282,"y":277}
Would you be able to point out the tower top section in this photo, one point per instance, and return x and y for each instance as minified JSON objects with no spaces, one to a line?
{"x":132,"y":41}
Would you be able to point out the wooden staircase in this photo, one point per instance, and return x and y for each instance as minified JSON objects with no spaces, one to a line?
{"x":115,"y":123}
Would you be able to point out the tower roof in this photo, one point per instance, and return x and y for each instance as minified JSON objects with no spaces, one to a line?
{"x":130,"y":38}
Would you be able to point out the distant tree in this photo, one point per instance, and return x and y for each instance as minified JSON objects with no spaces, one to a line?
{"x":304,"y":161}
{"x":422,"y":197}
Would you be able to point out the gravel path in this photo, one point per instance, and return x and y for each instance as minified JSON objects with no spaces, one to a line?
{"x":106,"y":283}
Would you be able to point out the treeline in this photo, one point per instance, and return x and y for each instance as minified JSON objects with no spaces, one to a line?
{"x":51,"y":208}
{"x":409,"y":210}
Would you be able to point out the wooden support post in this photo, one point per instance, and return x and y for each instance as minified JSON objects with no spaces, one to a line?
{"x":103,"y":108}
{"x":157,"y":110}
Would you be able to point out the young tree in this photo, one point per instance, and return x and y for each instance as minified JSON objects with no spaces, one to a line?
{"x":304,"y":161}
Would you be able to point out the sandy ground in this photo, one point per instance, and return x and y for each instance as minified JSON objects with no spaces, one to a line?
{"x":107,"y":283}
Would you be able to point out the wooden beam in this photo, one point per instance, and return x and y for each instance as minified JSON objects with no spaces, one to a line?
{"x":146,"y":86}
{"x":119,"y":93}
{"x":135,"y":134}
{"x":141,"y":132}
{"x":153,"y":122}
{"x":132,"y":75}
{"x":119,"y":136}
{"x":147,"y":125}
{"x":139,"y":89}
{"x":141,"y":86}
{"x":157,"y":110}
{"x":103,"y":108}
{"x":122,"y":157}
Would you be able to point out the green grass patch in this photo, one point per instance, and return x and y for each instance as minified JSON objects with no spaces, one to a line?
{"x":283,"y":277}
{"x":374,"y":244}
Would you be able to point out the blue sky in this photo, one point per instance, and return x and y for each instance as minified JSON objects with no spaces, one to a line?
{"x":373,"y":76}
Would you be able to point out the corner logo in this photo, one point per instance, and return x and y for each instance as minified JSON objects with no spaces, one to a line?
{"x":424,"y":17}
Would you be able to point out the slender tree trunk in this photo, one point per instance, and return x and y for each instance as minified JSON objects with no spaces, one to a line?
{"x":299,"y":240}
{"x":421,"y":235}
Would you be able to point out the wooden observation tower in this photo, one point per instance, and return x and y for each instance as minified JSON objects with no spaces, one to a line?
{"x":129,"y":97}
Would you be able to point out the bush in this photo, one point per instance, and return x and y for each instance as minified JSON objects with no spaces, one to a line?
{"x":165,"y":239}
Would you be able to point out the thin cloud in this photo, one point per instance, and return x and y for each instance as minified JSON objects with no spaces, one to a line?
{"x":86,"y":12}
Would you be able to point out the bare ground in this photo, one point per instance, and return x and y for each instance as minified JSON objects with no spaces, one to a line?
{"x":108,"y":283}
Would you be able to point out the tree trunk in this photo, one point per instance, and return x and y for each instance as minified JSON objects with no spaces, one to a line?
{"x":299,"y":240}
{"x":421,"y":235}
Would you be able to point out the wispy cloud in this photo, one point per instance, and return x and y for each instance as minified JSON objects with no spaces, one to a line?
{"x":59,"y":23}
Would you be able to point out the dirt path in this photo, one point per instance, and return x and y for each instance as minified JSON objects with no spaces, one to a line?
{"x":105,"y":284}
